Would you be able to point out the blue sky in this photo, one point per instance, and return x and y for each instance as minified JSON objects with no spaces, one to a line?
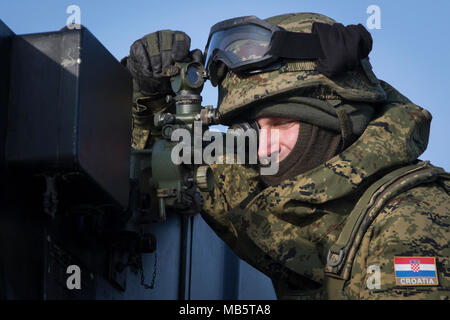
{"x":411,"y":50}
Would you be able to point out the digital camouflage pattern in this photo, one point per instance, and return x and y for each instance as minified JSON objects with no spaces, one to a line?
{"x":238,"y":93}
{"x":143,"y":129}
{"x":286,"y":230}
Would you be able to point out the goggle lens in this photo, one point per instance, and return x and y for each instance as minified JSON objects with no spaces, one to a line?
{"x":240,"y":44}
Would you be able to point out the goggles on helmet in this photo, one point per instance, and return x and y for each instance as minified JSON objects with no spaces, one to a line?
{"x":248,"y":44}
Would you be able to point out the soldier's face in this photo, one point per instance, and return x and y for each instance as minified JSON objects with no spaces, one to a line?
{"x":287,"y":136}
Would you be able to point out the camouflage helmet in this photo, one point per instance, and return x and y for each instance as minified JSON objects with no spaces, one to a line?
{"x":238,"y":93}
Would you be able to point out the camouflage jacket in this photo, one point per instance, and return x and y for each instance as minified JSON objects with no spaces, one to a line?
{"x":287,"y":230}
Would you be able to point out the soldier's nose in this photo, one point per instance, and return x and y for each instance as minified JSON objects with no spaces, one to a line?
{"x":268,"y":143}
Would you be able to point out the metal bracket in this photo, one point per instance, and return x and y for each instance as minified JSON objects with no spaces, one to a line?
{"x":117,"y":273}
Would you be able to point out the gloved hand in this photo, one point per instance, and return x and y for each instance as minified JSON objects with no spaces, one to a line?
{"x":149,"y":63}
{"x":152,"y":56}
{"x":190,"y":202}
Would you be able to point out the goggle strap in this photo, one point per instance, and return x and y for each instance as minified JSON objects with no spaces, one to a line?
{"x":296,"y":45}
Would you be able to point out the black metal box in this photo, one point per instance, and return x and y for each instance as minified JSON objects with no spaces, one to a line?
{"x":6,"y":36}
{"x":69,"y":109}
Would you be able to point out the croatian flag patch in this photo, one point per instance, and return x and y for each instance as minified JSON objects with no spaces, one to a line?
{"x":415,"y":271}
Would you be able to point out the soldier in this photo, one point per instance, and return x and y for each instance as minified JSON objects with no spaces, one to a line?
{"x":352,"y":213}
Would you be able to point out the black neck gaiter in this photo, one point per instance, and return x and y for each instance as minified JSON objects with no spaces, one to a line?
{"x":314,"y":146}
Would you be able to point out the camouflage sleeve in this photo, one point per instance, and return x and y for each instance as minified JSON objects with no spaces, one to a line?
{"x":232,"y":184}
{"x":142,"y":119}
{"x":413,"y":224}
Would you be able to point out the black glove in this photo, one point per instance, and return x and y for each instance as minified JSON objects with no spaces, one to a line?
{"x":152,"y":56}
